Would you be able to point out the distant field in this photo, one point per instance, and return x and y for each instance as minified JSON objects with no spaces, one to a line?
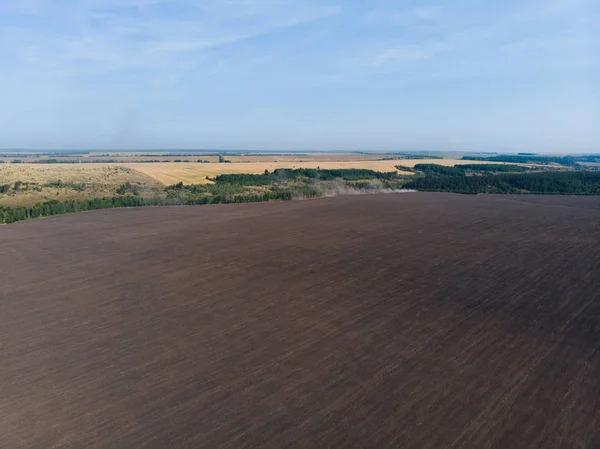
{"x":310,"y":157}
{"x":183,"y":156}
{"x":193,"y":173}
{"x":127,"y":157}
{"x":97,"y":180}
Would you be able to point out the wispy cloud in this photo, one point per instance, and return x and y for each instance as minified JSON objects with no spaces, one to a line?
{"x":405,"y":53}
{"x":407,"y":38}
{"x":411,"y":17}
{"x":447,"y":41}
{"x":118,"y":34}
{"x":541,"y":9}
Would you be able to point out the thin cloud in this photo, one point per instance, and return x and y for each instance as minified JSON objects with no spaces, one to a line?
{"x":113,"y":36}
{"x":404,"y":53}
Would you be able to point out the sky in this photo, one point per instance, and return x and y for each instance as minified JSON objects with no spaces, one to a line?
{"x":378,"y":75}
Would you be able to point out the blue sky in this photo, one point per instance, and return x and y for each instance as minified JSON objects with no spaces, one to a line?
{"x":510,"y":75}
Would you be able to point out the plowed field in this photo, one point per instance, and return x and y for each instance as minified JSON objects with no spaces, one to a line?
{"x":399,"y":320}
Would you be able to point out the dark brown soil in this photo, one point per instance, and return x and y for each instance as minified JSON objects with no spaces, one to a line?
{"x":401,"y":320}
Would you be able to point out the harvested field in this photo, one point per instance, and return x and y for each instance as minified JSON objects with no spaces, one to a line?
{"x":190,"y":173}
{"x":193,"y":173}
{"x":400,"y":320}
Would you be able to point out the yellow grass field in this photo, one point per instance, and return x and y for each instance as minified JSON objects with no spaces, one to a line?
{"x":70,"y":173}
{"x":99,"y":180}
{"x":194,"y":173}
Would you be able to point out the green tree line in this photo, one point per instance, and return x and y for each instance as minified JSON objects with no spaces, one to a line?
{"x":522,"y":159}
{"x":496,"y":168}
{"x":49,"y":208}
{"x":437,"y":169}
{"x":566,"y":183}
{"x":289,"y":174}
{"x":462,"y":169}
